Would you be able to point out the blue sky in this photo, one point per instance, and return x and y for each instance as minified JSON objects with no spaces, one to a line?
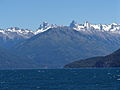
{"x":30,"y":13}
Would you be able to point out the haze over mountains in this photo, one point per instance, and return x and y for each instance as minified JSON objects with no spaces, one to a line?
{"x":52,"y":46}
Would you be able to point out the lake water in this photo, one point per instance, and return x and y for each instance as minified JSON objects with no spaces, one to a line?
{"x":60,"y":79}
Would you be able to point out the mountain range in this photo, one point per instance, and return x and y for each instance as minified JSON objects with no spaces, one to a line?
{"x":53,"y":46}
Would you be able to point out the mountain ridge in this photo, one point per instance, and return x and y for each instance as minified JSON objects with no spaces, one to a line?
{"x":53,"y":46}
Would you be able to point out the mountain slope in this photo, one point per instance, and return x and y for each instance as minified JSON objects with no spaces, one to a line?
{"x":61,"y":45}
{"x":12,"y":36}
{"x":9,"y":60}
{"x":112,"y":60}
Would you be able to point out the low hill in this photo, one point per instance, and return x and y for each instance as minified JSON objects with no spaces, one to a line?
{"x":112,"y":60}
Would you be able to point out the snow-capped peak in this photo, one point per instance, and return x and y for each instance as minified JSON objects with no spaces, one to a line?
{"x":114,"y":27}
{"x":18,"y":30}
{"x":15,"y":32}
{"x":44,"y":27}
{"x":114,"y":24}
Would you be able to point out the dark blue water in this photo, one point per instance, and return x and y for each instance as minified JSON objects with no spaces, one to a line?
{"x":60,"y":79}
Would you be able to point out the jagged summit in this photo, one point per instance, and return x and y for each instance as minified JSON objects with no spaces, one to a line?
{"x":73,"y":24}
{"x":114,"y":27}
{"x":15,"y":32}
{"x":44,"y":26}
